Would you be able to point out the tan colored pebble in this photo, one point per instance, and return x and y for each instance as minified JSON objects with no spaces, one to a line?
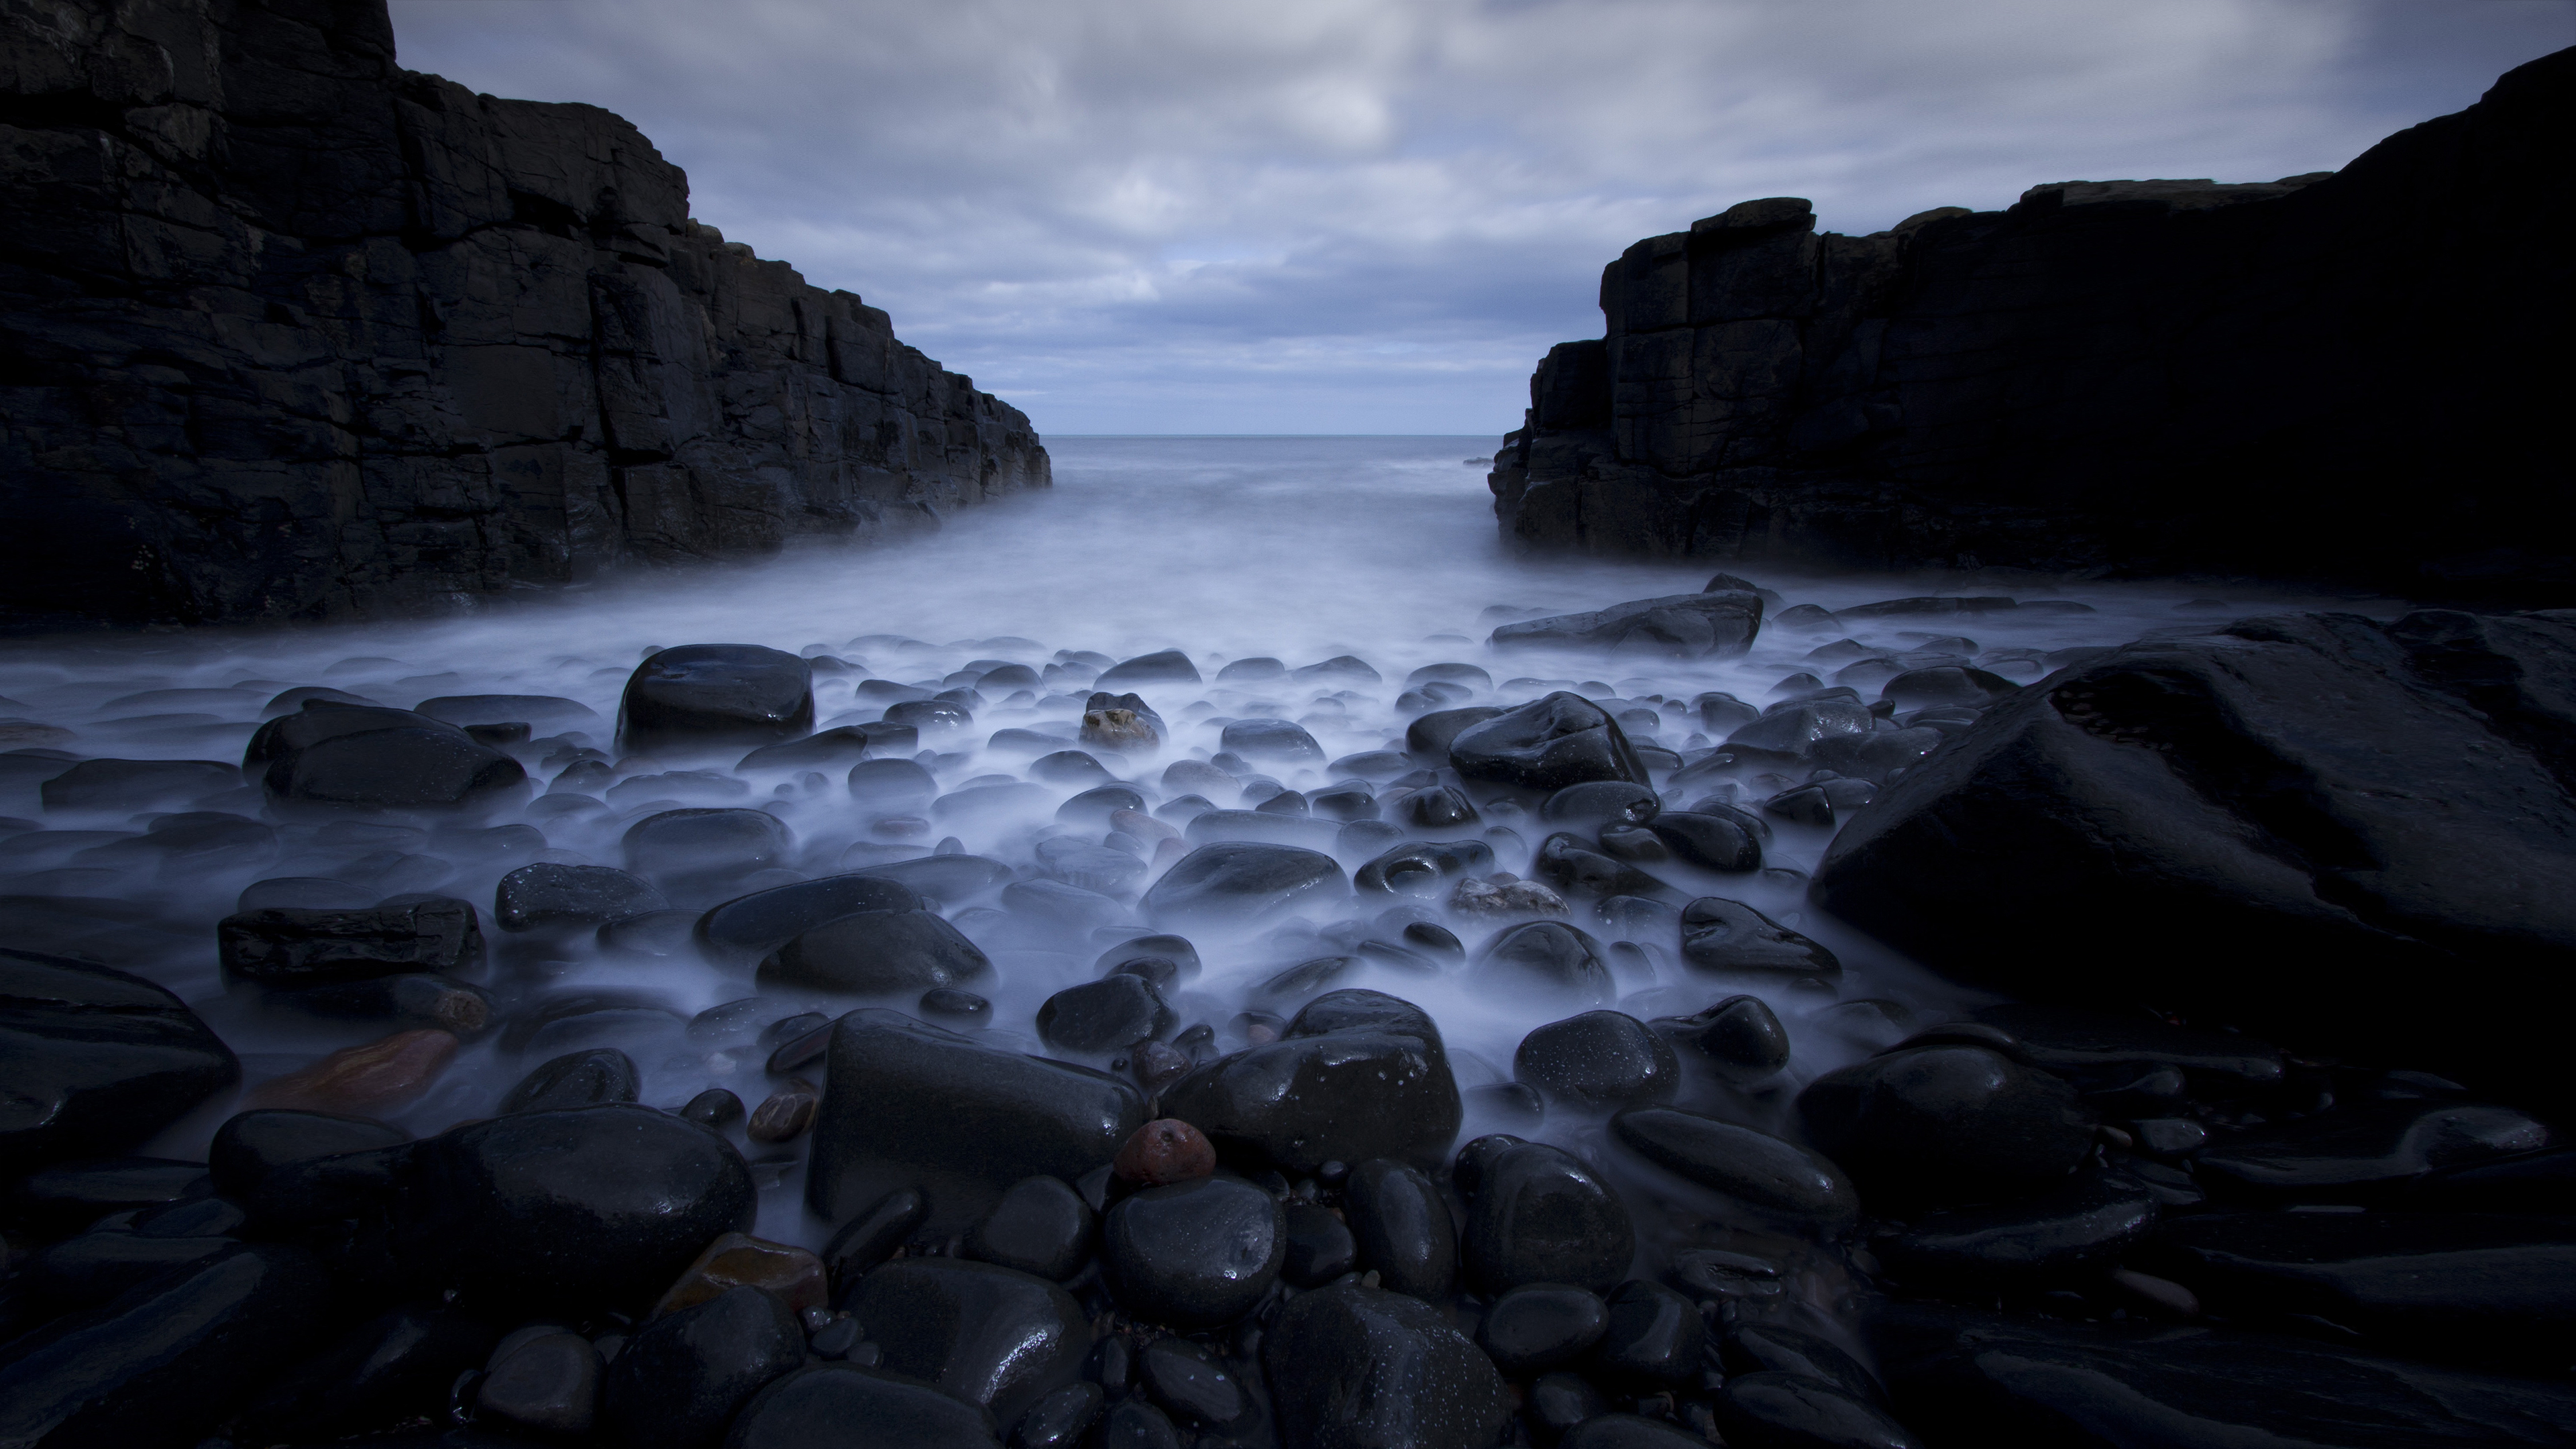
{"x":364,"y":1081}
{"x":738,"y":1259}
{"x":784,"y":1117}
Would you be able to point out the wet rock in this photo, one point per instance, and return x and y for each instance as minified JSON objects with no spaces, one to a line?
{"x":576,"y":1079}
{"x":1243,"y":883}
{"x":286,"y":947}
{"x":701,"y":695}
{"x":1729,"y":938}
{"x":600,"y":1206}
{"x":1271,"y":739}
{"x":1069,"y":767}
{"x":1351,"y":1366}
{"x":130,"y":785}
{"x":1740,"y":1037}
{"x":872,"y":1236}
{"x":1194,"y":1254}
{"x":1778,"y":1408}
{"x":94,"y":1267}
{"x":1602,"y":802}
{"x":547,"y":1384}
{"x":817,"y":1405}
{"x":379,"y":760}
{"x":398,"y":1366}
{"x":1557,"y":1402}
{"x":1093,"y":808}
{"x":738,"y":1260}
{"x":1441,"y":807}
{"x":1741,"y":1162}
{"x":1168,"y":666}
{"x":168,"y":1361}
{"x":989,"y":1336}
{"x":891,"y":784}
{"x":1946,"y":684}
{"x":1357,"y":1074}
{"x":1566,"y":862}
{"x":1547,"y":744}
{"x":2100,"y":1049}
{"x":746,"y":928}
{"x":95,"y":1060}
{"x":1955,"y":1123}
{"x":1541,"y":1325}
{"x":74,"y":1194}
{"x":378,"y":1077}
{"x":561,"y":897}
{"x":715,"y":1107}
{"x":1536,"y":1214}
{"x":251,"y":1145}
{"x":2330,"y":1157}
{"x":880,"y":953}
{"x":1600,"y":1059}
{"x":1040,"y":1227}
{"x":1059,"y":1419}
{"x":1065,"y":906}
{"x":1750,"y":1348}
{"x":947,"y":879}
{"x":1177,"y":951}
{"x":910,"y":1105}
{"x":1137,"y":1424}
{"x":1515,"y":900}
{"x":1682,"y":626}
{"x":2075,"y":1228}
{"x":1632,"y":843}
{"x":1550,"y":957}
{"x":1428,"y":737}
{"x":1400,"y":1221}
{"x":1107,"y":1015}
{"x":1165,"y":1150}
{"x":834,"y":749}
{"x":681,"y":1377}
{"x":700,"y":849}
{"x":1423,"y":867}
{"x":1320,"y":1246}
{"x":1653,"y":1337}
{"x":1630,"y":1431}
{"x":1191,"y":1385}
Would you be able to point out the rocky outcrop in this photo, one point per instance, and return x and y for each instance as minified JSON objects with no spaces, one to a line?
{"x":2347,"y":376}
{"x":289,"y":332}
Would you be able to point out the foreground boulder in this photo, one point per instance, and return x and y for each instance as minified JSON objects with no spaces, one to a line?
{"x":716,"y":694}
{"x":1353,"y":1366}
{"x":989,"y":1336}
{"x":1547,"y":744}
{"x":1684,"y":626}
{"x":2295,"y":822}
{"x":1357,"y":1074}
{"x":93,"y":1060}
{"x":285,"y":947}
{"x":332,"y":757}
{"x":1243,"y":882}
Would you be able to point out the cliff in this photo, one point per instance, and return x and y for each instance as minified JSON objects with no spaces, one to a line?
{"x":289,"y":332}
{"x":2360,"y":376}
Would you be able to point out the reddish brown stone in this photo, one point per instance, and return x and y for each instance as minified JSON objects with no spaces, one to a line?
{"x":364,"y":1081}
{"x":1165,"y":1150}
{"x":738,"y":1259}
{"x":784,"y":1117}
{"x":1158,"y":1065}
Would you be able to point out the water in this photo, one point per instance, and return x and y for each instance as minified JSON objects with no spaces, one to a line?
{"x":1299,"y":549}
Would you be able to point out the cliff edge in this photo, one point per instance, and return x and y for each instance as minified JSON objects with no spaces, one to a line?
{"x":2357,"y":376}
{"x":288,"y":332}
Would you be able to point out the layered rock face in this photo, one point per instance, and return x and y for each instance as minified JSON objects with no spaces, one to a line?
{"x":2346,"y":376}
{"x":290,"y":332}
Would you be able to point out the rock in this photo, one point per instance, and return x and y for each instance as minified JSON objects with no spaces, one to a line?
{"x":839,"y":748}
{"x":2078,"y":1227}
{"x":985,"y":1335}
{"x":95,"y":1060}
{"x":1946,"y":1123}
{"x":1752,"y":1166}
{"x":947,"y":879}
{"x":1065,"y":906}
{"x":1428,"y":737}
{"x":2331,"y":1156}
{"x":400,"y":1365}
{"x":1683,"y":626}
{"x":1550,"y":958}
{"x":1598,"y":1060}
{"x":1191,"y":1385}
{"x":1194,"y":1254}
{"x":547,"y":1385}
{"x":792,"y":1275}
{"x":1536,"y":1214}
{"x":1358,"y":1074}
{"x":1653,"y":1337}
{"x":603,"y":1205}
{"x":251,"y":1145}
{"x":818,"y":1404}
{"x":909,"y":1105}
{"x":1798,"y":729}
{"x":576,"y":1079}
{"x":1628,"y":1431}
{"x":1271,"y":739}
{"x":1137,"y":1424}
{"x":873,"y":1236}
{"x":1559,"y":1402}
{"x":715,"y":1107}
{"x":698,"y":850}
{"x":1120,"y":724}
{"x":1243,"y":883}
{"x":1539,"y":1326}
{"x":1729,"y":938}
{"x":1750,"y":1348}
{"x":878,"y":953}
{"x":681,"y":1377}
{"x":715,"y":694}
{"x":1168,"y":666}
{"x":891,"y":784}
{"x":1518,"y":900}
{"x":75,"y":1194}
{"x":1059,"y":1419}
{"x":1779,"y":1408}
{"x":1351,"y":1366}
{"x":285,"y":947}
{"x":1547,"y":744}
{"x":1040,"y":1227}
{"x":1400,"y":1222}
{"x":131,"y":785}
{"x":1739,"y":1037}
{"x":1601,"y":802}
{"x":1947,"y":684}
{"x":1165,"y":1150}
{"x":2100,"y":1050}
{"x":784,"y":1115}
{"x":1107,"y":1015}
{"x":747,"y":928}
{"x":1565,"y":862}
{"x":168,"y":1361}
{"x":418,"y":999}
{"x":1709,"y":840}
{"x":94,"y":1267}
{"x":380,"y":1076}
{"x":1423,"y":867}
{"x":336,"y":759}
{"x":1320,"y":1246}
{"x":546,"y":896}
{"x":1441,"y":807}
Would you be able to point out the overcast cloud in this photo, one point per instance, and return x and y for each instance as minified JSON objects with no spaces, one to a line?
{"x":1372,"y":216}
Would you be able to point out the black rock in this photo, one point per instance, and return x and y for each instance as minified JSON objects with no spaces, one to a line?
{"x":1241,"y":883}
{"x":1740,"y":1037}
{"x":948,"y":1005}
{"x":133,"y":785}
{"x":1944,"y":684}
{"x":1270,"y":739}
{"x":1753,"y":1166}
{"x":680,"y":1378}
{"x":1710,"y":840}
{"x":1168,"y":666}
{"x":1536,"y":1214}
{"x":1601,"y":1059}
{"x":989,"y":1336}
{"x":947,"y":879}
{"x":1729,"y":938}
{"x":74,"y":1194}
{"x":575,"y":1079}
{"x":873,"y":1236}
{"x":1194,"y":1254}
{"x":399,"y":1366}
{"x":2335,"y":1155}
{"x":818,"y":1405}
{"x":1107,"y":1015}
{"x":1320,"y":1247}
{"x":1352,"y":1366}
{"x":746,"y":928}
{"x":1684,"y":626}
{"x":1427,"y":739}
{"x":1550,"y":958}
{"x":548,"y":712}
{"x":880,"y":953}
{"x":1557,"y":1402}
{"x":546,"y":896}
{"x":1358,"y":1074}
{"x":2079,"y":1227}
{"x":1547,"y":744}
{"x":1059,"y":1419}
{"x":1176,"y":951}
{"x":418,"y":999}
{"x":380,"y":760}
{"x":1777,"y":1408}
{"x":251,"y":1145}
{"x":1947,"y":1123}
{"x":1601,"y":802}
{"x":1751,"y":1348}
{"x":1440,"y":807}
{"x":1565,"y":861}
{"x":545,"y":1383}
{"x":1653,"y":1339}
{"x":715,"y":1107}
{"x":1635,"y":1431}
{"x":1040,"y":1227}
{"x":2098,"y":1049}
{"x":834,"y":749}
{"x":1424,"y":867}
{"x":696,"y":850}
{"x":910,"y":1105}
{"x":716,"y":694}
{"x":95,"y":1060}
{"x":1137,"y":1424}
{"x":93,"y":1267}
{"x":1191,"y":1385}
{"x":285,"y":947}
{"x":891,"y":784}
{"x":1540,"y":1326}
{"x":1400,"y":1220}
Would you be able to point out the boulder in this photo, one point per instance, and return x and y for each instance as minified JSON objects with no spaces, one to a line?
{"x":704,"y":695}
{"x":1243,"y":883}
{"x":1947,"y":1123}
{"x":1537,"y":1214}
{"x":94,"y":1060}
{"x":819,"y":1404}
{"x":680,"y":1378}
{"x":1682,"y":626}
{"x":988,"y":1336}
{"x":878,"y":953}
{"x":286,"y":947}
{"x":548,"y":896}
{"x":1559,"y":740}
{"x":1195,"y":1254}
{"x":1358,"y":1074}
{"x":1351,"y":1367}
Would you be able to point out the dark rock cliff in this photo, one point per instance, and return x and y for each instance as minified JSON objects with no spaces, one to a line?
{"x":289,"y":332}
{"x":2359,"y":376}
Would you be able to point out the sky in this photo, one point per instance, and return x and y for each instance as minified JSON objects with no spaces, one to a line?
{"x":1374,"y":216}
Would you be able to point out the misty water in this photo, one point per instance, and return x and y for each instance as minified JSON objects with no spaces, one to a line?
{"x":1294,"y":549}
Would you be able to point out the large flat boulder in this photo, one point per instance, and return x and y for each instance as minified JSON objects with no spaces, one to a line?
{"x":1686,"y":626}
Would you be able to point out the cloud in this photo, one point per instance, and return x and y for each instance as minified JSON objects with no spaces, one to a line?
{"x":1374,"y":215}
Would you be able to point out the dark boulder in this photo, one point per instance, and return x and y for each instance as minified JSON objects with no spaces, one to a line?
{"x":988,"y":1336}
{"x":1729,"y":938}
{"x":1537,"y":1214}
{"x":1781,"y":1408}
{"x":1358,"y":1074}
{"x":94,"y":1060}
{"x":702,"y":695}
{"x":839,"y":748}
{"x":546,"y":896}
{"x":1683,"y":626}
{"x":878,"y":953}
{"x":1194,"y":1254}
{"x":1599,"y":803}
{"x":1242,"y":883}
{"x":1539,"y":1326}
{"x":1567,"y":863}
{"x":2333,"y":1156}
{"x":892,"y":784}
{"x":1040,"y":1227}
{"x":746,"y":928}
{"x":1798,"y":731}
{"x":1727,"y":841}
{"x":543,"y":713}
{"x":2074,"y":1230}
{"x":1740,"y":1038}
{"x":1423,"y":867}
{"x":251,"y":1145}
{"x":817,"y":1406}
{"x":1947,"y":1123}
{"x":696,"y":850}
{"x":1353,"y":1367}
{"x":1400,"y":1222}
{"x":1750,"y":1165}
{"x":419,"y":765}
{"x":285,"y":947}
{"x":1547,"y":744}
{"x":1548,"y":958}
{"x":1167,"y":666}
{"x":680,"y":1378}
{"x":576,"y":1079}
{"x":947,"y":879}
{"x":1270,"y":739}
{"x":1428,"y":737}
{"x":1111,"y":1014}
{"x":1598,"y":1060}
{"x":1654,"y":1337}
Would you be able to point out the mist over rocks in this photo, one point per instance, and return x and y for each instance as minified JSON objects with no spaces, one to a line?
{"x":2149,"y":377}
{"x":305,"y":335}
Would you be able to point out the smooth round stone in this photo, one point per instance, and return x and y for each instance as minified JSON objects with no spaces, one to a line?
{"x":1091,"y":809}
{"x":1107,"y":1015}
{"x":1165,"y":1150}
{"x":1357,"y":1074}
{"x":1760,"y":1169}
{"x":547,"y":1384}
{"x":545,"y":896}
{"x":1070,"y":767}
{"x":1752,"y":1348}
{"x":1164,"y":666}
{"x":1059,"y":1419}
{"x":1376,"y":766}
{"x":1635,"y":1431}
{"x":419,"y":766}
{"x":1729,"y":842}
{"x":947,"y":879}
{"x":1177,"y":950}
{"x":575,"y":1079}
{"x":1270,"y":739}
{"x":702,"y":841}
{"x":819,"y":1405}
{"x":1541,"y":1325}
{"x":1634,"y":843}
{"x":1601,"y":1059}
{"x":746,"y":928}
{"x":872,"y":1236}
{"x":1243,"y":883}
{"x":892,"y":784}
{"x":1137,"y":1423}
{"x":1559,"y":1401}
{"x":1401,"y":1223}
{"x":1320,"y":1246}
{"x":1781,"y":1408}
{"x":1424,"y":868}
{"x":1350,"y":1365}
{"x":1441,"y":807}
{"x":1257,"y":667}
{"x":954,"y":1008}
{"x":1191,"y":1385}
{"x":1550,"y":960}
{"x":680,"y":1378}
{"x":1654,"y":1337}
{"x":1068,"y":907}
{"x":1601,"y":802}
{"x":251,"y":1145}
{"x":1547,"y":744}
{"x":716,"y":693}
{"x":1346,"y":802}
{"x":989,"y":1336}
{"x":1040,"y":1227}
{"x":931,"y":715}
{"x":1741,"y":1038}
{"x":1194,"y":1254}
{"x":878,"y":954}
{"x":715,"y":1107}
{"x":1538,"y":1215}
{"x":1947,"y":1123}
{"x":1730,"y":938}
